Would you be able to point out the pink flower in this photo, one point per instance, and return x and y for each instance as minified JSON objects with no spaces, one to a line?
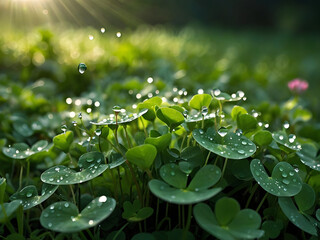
{"x":298,"y":85}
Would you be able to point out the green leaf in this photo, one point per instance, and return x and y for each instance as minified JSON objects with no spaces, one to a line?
{"x":63,"y":141}
{"x":7,"y":210}
{"x":290,"y":210}
{"x":161,"y":142}
{"x":306,"y":198}
{"x":23,"y":128}
{"x":241,"y":169}
{"x":192,"y":157}
{"x":172,"y":175}
{"x":143,"y":236}
{"x":92,"y":164}
{"x":200,"y":100}
{"x":29,"y":198}
{"x":284,"y":181}
{"x":237,"y":110}
{"x":246,"y":122}
{"x":229,"y":145}
{"x":243,"y":224}
{"x":122,"y":119}
{"x":3,"y":185}
{"x":150,"y":104}
{"x":180,"y":196}
{"x":142,"y":156}
{"x":206,"y":177}
{"x":272,"y":228}
{"x":308,"y":156}
{"x":170,"y":116}
{"x":23,"y":151}
{"x":65,"y":216}
{"x":283,"y":139}
{"x":263,"y":138}
{"x":226,"y":209}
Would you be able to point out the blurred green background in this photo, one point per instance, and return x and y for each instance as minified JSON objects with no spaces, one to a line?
{"x":254,"y":46}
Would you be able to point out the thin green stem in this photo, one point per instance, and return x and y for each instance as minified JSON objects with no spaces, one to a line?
{"x":90,"y":234}
{"x":262,"y":201}
{"x":119,"y":231}
{"x":119,"y":178}
{"x":224,"y":167}
{"x":144,"y":127}
{"x":183,"y":140}
{"x":207,"y":159}
{"x":149,"y":173}
{"x":72,"y":193}
{"x":189,"y":139}
{"x":179,"y":215}
{"x":127,"y":137}
{"x":135,"y":180}
{"x":157,"y":212}
{"x":255,"y":187}
{"x":20,"y":178}
{"x":183,"y":218}
{"x":28,"y":171}
{"x":140,"y":227}
{"x":188,"y":222}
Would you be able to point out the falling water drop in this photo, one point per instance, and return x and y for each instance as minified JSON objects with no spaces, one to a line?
{"x":98,"y":132}
{"x":204,"y":111}
{"x":82,"y":68}
{"x":64,"y":128}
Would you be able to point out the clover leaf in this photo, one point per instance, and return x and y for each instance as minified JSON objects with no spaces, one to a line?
{"x":308,"y":156}
{"x":122,"y":118}
{"x":133,"y":212}
{"x":173,"y":118}
{"x":227,"y":144}
{"x":294,"y":215}
{"x":7,"y":210}
{"x":63,"y":141}
{"x":65,"y":216}
{"x":92,"y":164}
{"x":175,"y":189}
{"x":200,"y":100}
{"x":284,"y":180}
{"x":228,"y":222}
{"x":289,"y":142}
{"x":143,"y":156}
{"x":23,"y":151}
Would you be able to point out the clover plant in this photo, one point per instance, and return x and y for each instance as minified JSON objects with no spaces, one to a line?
{"x":199,"y":167}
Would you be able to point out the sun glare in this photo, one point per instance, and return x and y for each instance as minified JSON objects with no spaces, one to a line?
{"x":23,"y":13}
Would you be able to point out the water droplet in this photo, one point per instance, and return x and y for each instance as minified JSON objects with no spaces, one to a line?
{"x":286,"y":181}
{"x":64,"y":128}
{"x":49,"y":224}
{"x":102,"y":30}
{"x":80,"y":115}
{"x":29,"y":194}
{"x":204,"y":111}
{"x":291,"y":173}
{"x":216,"y":92}
{"x":281,"y":137}
{"x":240,"y":94}
{"x":286,"y":125}
{"x":222,"y":132}
{"x":46,"y":215}
{"x":57,"y":169}
{"x":66,"y":205}
{"x":118,"y":34}
{"x":90,"y":222}
{"x":82,"y":68}
{"x":90,"y":160}
{"x":51,"y":207}
{"x":172,"y":173}
{"x":98,"y":132}
{"x":73,"y":219}
{"x":116,"y":109}
{"x":196,"y":189}
{"x":185,"y":113}
{"x":239,"y":132}
{"x":281,"y":169}
{"x":102,"y":199}
{"x":51,"y":179}
{"x":284,"y":174}
{"x":244,"y":143}
{"x":257,"y":173}
{"x":241,"y":151}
